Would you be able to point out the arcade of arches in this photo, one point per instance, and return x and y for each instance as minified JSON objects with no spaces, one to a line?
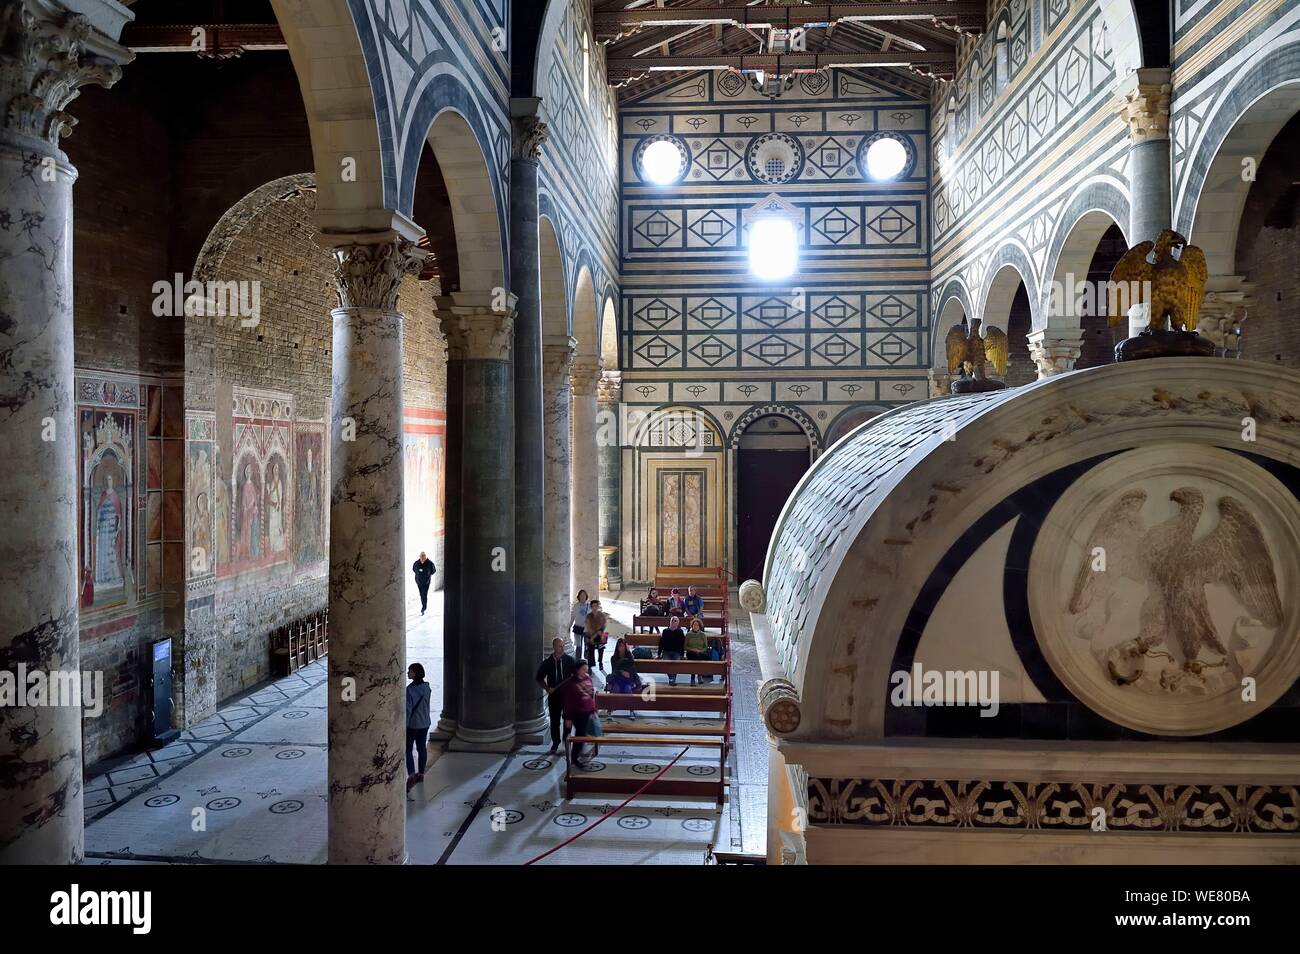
{"x":311,"y":289}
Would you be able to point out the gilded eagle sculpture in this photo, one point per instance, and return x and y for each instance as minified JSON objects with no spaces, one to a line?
{"x":1171,"y":286}
{"x":1176,"y":569}
{"x":972,"y":352}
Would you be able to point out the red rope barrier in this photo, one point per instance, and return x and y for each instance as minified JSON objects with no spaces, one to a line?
{"x":626,"y":802}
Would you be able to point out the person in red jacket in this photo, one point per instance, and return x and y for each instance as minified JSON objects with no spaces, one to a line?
{"x":580,"y":709}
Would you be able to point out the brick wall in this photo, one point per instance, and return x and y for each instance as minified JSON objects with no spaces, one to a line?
{"x":1268,"y":253}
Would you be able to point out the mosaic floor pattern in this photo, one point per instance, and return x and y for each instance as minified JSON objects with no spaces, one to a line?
{"x":248,"y":786}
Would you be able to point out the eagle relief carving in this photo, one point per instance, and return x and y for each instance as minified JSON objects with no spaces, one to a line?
{"x":1188,"y":605}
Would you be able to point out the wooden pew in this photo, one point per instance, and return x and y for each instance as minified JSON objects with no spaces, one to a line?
{"x":697,"y":714}
{"x":683,"y":667}
{"x":652,"y":639}
{"x":644,"y":622}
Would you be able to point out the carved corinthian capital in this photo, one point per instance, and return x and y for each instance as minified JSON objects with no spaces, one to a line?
{"x":46,"y":55}
{"x":609,"y":389}
{"x":370,"y":276}
{"x":1145,"y":105}
{"x":585,"y":376}
{"x":530,"y":134}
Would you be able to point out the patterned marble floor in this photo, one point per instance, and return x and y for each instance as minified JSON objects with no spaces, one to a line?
{"x":248,"y":786}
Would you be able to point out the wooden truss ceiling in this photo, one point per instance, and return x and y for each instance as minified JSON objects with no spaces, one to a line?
{"x":903,"y":44}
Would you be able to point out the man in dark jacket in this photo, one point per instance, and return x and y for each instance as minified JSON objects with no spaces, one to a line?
{"x":554,"y":671}
{"x":424,"y":570}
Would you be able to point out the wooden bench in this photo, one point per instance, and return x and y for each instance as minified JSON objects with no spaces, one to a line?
{"x":695,"y":714}
{"x":652,"y":639}
{"x":703,"y":574}
{"x":621,"y":779}
{"x":683,"y":667}
{"x":642,"y":622}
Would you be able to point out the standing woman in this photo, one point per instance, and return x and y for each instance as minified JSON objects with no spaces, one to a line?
{"x":578,"y":623}
{"x":418,"y":721}
{"x":597,"y":624}
{"x":580,"y":710}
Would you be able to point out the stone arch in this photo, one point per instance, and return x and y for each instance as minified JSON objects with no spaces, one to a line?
{"x":642,"y":423}
{"x":1094,"y":207}
{"x":476,"y":209}
{"x":609,"y":335}
{"x":336,"y":83}
{"x":585,"y":324}
{"x":1125,"y":34}
{"x":1009,"y":265}
{"x":784,"y":410}
{"x":555,"y":297}
{"x":240,"y":215}
{"x":1248,"y":117}
{"x":953,"y":305}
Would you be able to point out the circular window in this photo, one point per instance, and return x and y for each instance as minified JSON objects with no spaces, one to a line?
{"x":774,"y":158}
{"x":661,"y":160}
{"x":885,"y":157}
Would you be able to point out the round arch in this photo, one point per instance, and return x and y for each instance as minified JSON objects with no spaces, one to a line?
{"x":1000,"y":291}
{"x":555,"y":298}
{"x":784,"y":410}
{"x":952,"y":314}
{"x":240,"y":215}
{"x":585,"y":323}
{"x":475,"y":211}
{"x":335,"y":80}
{"x":1248,"y":118}
{"x":642,"y":425}
{"x":1073,"y":263}
{"x":609,"y":335}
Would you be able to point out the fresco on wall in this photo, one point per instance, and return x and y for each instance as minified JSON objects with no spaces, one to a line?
{"x":107,"y":525}
{"x":221,"y":510}
{"x":309,"y":496}
{"x":199,"y":511}
{"x":423,"y":448}
{"x":259,"y":522}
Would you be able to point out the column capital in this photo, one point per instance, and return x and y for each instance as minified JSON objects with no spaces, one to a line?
{"x":1144,"y":103}
{"x":529,"y":132}
{"x":558,"y":352}
{"x":940,"y":383}
{"x":47,"y":53}
{"x":585,"y":376}
{"x":1055,"y":350}
{"x":609,"y":389}
{"x":474,"y":323}
{"x":369,"y":274}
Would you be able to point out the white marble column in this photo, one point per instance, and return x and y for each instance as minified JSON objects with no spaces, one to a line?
{"x":585,"y":519}
{"x":46,"y":55}
{"x":367,"y":659}
{"x":609,"y":401}
{"x":557,"y":571}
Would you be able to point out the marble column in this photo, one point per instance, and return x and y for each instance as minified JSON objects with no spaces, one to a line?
{"x":487,"y":543}
{"x":46,"y":55}
{"x":609,"y":397}
{"x":367,"y":587}
{"x":452,"y":628}
{"x":557,"y":363}
{"x":526,"y":282}
{"x":586,"y":477}
{"x":1055,"y":350}
{"x":1145,"y":108}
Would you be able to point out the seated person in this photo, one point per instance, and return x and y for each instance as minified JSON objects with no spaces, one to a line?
{"x":672,"y":644}
{"x":697,"y":647}
{"x":653,"y":605}
{"x":694,"y":603}
{"x":676,"y":604}
{"x":623,"y":676}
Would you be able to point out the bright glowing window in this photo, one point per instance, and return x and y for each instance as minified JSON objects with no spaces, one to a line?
{"x":661,"y":162}
{"x":773,"y":249}
{"x":886,"y":159}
